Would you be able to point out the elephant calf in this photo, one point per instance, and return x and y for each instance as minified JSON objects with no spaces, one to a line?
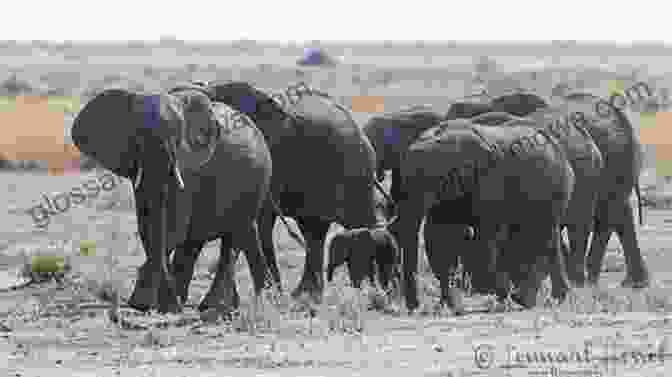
{"x":377,"y":252}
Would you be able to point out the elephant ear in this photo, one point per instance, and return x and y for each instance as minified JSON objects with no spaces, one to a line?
{"x":198,"y":127}
{"x":106,"y":129}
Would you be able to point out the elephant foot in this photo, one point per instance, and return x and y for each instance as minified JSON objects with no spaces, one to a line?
{"x":309,"y":291}
{"x":412,"y":303}
{"x":592,"y":279}
{"x":141,"y":299}
{"x":527,"y":300}
{"x":182,"y":280}
{"x":454,"y":298}
{"x":145,"y":294}
{"x":481,"y":286}
{"x":526,"y":296}
{"x":391,"y":308}
{"x":222,"y":299}
{"x":559,"y":293}
{"x":578,"y":278}
{"x":636,"y":282}
{"x":169,"y":301}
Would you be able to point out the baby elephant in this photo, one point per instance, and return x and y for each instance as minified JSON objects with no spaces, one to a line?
{"x":364,"y":249}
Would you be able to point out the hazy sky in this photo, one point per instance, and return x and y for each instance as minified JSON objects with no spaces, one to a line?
{"x":299,"y":20}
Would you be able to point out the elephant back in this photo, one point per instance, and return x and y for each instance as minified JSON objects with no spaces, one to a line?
{"x":609,"y":126}
{"x":518,"y":137}
{"x":569,"y":129}
{"x":493,"y":118}
{"x":253,"y":102}
{"x":518,"y":104}
{"x":393,"y":132}
{"x":467,"y":109}
{"x":616,"y":139}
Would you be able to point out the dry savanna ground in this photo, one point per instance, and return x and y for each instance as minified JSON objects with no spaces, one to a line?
{"x":64,"y":327}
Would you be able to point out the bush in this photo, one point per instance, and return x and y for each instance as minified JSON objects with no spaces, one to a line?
{"x":14,"y":86}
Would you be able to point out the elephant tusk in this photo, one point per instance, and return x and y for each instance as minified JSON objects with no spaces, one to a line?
{"x":178,"y":175}
{"x":138,"y":178}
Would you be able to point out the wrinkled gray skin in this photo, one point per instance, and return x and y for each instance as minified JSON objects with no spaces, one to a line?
{"x":377,"y":254}
{"x":323,"y":172}
{"x":391,"y":134}
{"x":150,"y":145}
{"x":622,"y":157}
{"x":587,"y":163}
{"x":523,"y":195}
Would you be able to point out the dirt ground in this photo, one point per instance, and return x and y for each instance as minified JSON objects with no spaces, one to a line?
{"x":77,"y":339}
{"x":62,"y":328}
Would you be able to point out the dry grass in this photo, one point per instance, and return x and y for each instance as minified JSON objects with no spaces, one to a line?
{"x":85,"y":310}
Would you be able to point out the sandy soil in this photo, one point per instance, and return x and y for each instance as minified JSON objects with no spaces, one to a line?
{"x":49,"y":329}
{"x":83,"y":342}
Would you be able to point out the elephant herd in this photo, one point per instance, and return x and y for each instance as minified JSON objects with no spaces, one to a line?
{"x":493,"y":182}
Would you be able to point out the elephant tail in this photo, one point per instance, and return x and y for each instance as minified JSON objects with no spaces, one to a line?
{"x":278,"y":211}
{"x":639,"y":202}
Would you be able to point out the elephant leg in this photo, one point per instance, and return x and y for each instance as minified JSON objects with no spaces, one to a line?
{"x":494,"y":275}
{"x":534,"y":264}
{"x":250,"y":243}
{"x":576,"y":258}
{"x":528,"y":261}
{"x":598,"y":247}
{"x":637,"y":275}
{"x":559,"y":278}
{"x":547,"y":257}
{"x":395,"y":188}
{"x":371,"y":274}
{"x":183,"y":265}
{"x":312,"y":281}
{"x":477,"y":274}
{"x":529,"y":287}
{"x":388,"y":270}
{"x":223,"y":294}
{"x":357,"y":274}
{"x":443,"y":259}
{"x":266,"y":223}
{"x":154,"y":273}
{"x":408,"y":227}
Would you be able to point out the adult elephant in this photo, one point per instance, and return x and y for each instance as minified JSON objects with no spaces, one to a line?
{"x":502,"y":180}
{"x":323,"y":172}
{"x":198,"y":175}
{"x":613,"y":133}
{"x":587,"y":163}
{"x":391,"y":134}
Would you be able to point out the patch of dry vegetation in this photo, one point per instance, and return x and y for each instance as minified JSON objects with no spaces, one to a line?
{"x":272,"y":331}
